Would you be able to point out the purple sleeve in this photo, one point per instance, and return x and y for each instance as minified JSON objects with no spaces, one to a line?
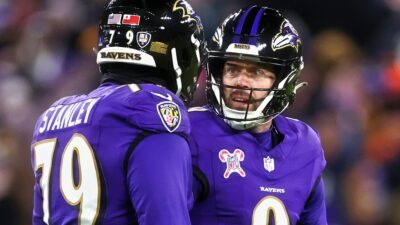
{"x":314,"y":212}
{"x":160,"y":178}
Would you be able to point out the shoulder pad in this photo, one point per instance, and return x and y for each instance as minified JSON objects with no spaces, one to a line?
{"x":198,"y":109}
{"x":157,"y":109}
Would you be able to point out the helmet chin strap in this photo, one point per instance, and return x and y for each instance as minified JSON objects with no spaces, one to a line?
{"x":246,"y":125}
{"x":240,"y":114}
{"x":300,"y":85}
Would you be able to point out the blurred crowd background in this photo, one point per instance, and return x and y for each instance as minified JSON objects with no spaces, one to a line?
{"x":352,"y":66}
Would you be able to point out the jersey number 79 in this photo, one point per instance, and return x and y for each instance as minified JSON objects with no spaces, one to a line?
{"x":87,"y":192}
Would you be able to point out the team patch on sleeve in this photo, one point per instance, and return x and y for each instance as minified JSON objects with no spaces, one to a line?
{"x":170,"y":115}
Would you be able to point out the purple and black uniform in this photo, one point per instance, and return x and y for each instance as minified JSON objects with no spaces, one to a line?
{"x":252,"y":182}
{"x":118,"y":155}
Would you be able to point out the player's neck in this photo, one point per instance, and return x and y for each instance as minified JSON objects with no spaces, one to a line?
{"x":137,"y":75}
{"x":261,"y":128}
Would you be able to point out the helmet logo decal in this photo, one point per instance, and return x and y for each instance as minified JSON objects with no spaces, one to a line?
{"x":242,"y":49}
{"x":125,"y":55}
{"x":114,"y":19}
{"x":143,"y":39}
{"x":232,"y":161}
{"x":158,"y":47}
{"x":287,"y":37}
{"x":120,"y":55}
{"x":242,"y":46}
{"x":126,"y":19}
{"x":170,"y":115}
{"x":187,"y":12}
{"x":131,"y":19}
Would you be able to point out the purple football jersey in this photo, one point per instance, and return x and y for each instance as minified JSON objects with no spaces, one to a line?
{"x":253,"y":183}
{"x":118,"y":155}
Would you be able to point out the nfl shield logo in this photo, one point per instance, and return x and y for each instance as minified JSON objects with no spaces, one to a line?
{"x":170,"y":115}
{"x":143,"y":39}
{"x":269,"y":164}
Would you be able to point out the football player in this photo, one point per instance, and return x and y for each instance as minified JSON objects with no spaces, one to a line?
{"x":258,"y":166}
{"x":119,"y":155}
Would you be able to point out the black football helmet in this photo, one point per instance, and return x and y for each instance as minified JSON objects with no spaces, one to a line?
{"x":259,"y":35}
{"x":162,"y":34}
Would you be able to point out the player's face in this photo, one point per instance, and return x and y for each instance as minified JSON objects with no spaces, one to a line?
{"x":243,"y":74}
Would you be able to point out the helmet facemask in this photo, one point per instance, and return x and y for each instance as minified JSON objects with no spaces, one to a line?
{"x":276,"y":98}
